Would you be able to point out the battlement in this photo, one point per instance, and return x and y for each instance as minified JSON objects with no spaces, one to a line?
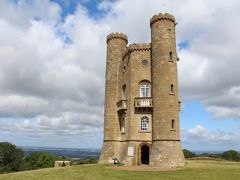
{"x":139,"y":47}
{"x":162,"y":17}
{"x":117,"y":35}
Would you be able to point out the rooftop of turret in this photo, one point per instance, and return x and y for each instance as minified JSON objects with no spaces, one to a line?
{"x":162,"y":16}
{"x":117,"y":35}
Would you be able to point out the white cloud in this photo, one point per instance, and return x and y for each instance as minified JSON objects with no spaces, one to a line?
{"x":209,"y":67}
{"x":224,"y":112}
{"x":200,"y":138}
{"x":67,"y":124}
{"x":50,"y":88}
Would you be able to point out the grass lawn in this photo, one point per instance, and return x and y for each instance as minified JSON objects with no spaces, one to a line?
{"x":194,"y":169}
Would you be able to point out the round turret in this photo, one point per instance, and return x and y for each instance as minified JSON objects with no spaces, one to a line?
{"x":117,"y":35}
{"x":166,"y":149}
{"x":116,"y":48}
{"x":162,"y":17}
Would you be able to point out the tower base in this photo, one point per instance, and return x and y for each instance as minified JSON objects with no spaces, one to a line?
{"x":167,"y":154}
{"x":110,"y":150}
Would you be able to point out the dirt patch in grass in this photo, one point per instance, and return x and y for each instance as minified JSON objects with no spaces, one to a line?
{"x":144,"y":168}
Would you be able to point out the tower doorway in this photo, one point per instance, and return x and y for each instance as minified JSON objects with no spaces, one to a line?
{"x":145,"y":154}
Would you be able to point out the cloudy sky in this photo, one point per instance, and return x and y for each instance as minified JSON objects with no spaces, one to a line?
{"x":52,"y":65}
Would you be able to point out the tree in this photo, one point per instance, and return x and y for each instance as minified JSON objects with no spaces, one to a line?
{"x":11,"y":157}
{"x":188,"y":154}
{"x":36,"y":160}
{"x":231,"y":155}
{"x":45,"y":160}
{"x":30,"y":161}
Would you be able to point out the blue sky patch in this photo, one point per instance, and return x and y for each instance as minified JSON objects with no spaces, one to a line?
{"x":64,"y":37}
{"x":183,"y":45}
{"x":194,"y":113}
{"x":70,"y":6}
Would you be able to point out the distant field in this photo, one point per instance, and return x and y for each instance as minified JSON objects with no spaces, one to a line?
{"x":194,"y":170}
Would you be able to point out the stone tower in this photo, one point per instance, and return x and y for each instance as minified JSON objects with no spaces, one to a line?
{"x":141,"y":120}
{"x":116,"y":47}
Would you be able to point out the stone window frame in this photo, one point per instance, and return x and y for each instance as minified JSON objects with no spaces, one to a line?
{"x":144,"y":62}
{"x":170,"y":59}
{"x":173,"y":124}
{"x":124,"y":68}
{"x":172,"y":91}
{"x":145,"y":89}
{"x":144,"y":125}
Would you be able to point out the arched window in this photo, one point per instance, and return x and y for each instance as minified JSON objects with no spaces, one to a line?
{"x":144,"y":123}
{"x":145,"y":89}
{"x":124,"y":92}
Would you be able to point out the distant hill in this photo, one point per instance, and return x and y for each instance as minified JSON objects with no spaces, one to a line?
{"x":75,"y":153}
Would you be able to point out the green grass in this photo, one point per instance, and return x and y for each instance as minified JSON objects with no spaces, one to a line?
{"x":194,"y":170}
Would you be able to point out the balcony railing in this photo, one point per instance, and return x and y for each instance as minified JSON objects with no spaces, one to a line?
{"x":122,"y":105}
{"x":141,"y":102}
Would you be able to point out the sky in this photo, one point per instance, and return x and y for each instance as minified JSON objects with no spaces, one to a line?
{"x":52,"y":67}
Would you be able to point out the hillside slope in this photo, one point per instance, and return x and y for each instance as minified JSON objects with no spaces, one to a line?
{"x":195,"y":169}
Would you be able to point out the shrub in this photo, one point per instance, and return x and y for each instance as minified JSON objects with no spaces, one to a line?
{"x":231,"y":155}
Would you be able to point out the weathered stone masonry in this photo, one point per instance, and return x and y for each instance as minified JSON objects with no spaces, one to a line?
{"x":141,"y":118}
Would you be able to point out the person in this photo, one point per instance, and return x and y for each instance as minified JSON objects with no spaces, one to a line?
{"x":115,"y":160}
{"x":63,"y":164}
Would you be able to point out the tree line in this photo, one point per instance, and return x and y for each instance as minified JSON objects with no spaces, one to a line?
{"x":12,"y":159}
{"x":230,"y":155}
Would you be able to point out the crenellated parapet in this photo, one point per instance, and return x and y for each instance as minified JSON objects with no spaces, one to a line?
{"x":117,"y":35}
{"x":162,"y":17}
{"x":139,"y":47}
